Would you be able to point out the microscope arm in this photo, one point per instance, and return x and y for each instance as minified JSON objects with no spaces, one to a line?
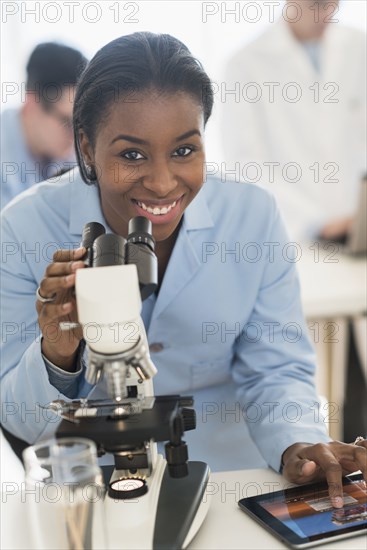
{"x":109,"y":306}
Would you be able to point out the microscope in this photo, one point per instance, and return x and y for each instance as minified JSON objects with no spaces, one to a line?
{"x":152,"y":502}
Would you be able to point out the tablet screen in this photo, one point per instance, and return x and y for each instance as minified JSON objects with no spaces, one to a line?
{"x":304,"y":514}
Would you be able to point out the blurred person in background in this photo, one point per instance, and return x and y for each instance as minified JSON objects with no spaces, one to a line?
{"x":296,"y":123}
{"x":37,"y":138}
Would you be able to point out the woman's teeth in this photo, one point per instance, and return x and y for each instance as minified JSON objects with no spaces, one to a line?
{"x":156,"y":211}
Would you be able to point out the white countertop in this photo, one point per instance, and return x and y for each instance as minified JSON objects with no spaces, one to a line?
{"x":225,"y":526}
{"x":333,"y":284}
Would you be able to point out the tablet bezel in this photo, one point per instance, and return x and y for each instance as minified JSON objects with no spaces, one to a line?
{"x":252,"y":506}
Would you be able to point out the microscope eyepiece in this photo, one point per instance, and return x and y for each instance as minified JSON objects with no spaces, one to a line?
{"x":140,"y":232}
{"x":91,"y":231}
{"x":108,"y":250}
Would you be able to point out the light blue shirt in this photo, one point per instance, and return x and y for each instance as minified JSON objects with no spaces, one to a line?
{"x":19,"y":170}
{"x":313,"y":50}
{"x":228,"y":321}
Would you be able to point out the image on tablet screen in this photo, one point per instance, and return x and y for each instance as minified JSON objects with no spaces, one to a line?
{"x":312,"y":513}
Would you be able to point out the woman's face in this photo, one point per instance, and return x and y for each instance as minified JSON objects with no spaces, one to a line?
{"x":149,"y":159}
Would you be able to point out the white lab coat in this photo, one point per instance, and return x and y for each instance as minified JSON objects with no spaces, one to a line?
{"x":326,"y":132}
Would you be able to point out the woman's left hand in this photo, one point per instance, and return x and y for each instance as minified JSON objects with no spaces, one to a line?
{"x":306,"y":463}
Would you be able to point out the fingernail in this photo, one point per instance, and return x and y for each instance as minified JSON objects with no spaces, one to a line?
{"x":337,"y":502}
{"x":66,"y":306}
{"x":70,"y":278}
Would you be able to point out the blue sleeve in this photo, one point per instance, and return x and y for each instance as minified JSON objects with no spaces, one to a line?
{"x":25,"y":380}
{"x":274,"y":361}
{"x":66,"y":382}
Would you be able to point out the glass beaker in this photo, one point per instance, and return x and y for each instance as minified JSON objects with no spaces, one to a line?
{"x":65,"y":495}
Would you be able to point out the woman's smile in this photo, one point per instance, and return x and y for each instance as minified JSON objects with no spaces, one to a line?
{"x":158,"y":212}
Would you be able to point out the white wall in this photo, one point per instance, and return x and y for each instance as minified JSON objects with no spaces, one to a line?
{"x":209,"y":29}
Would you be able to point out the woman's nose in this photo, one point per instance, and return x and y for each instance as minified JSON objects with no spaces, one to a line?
{"x":161,"y":180}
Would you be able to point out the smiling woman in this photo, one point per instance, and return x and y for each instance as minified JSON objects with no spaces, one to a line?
{"x":145,"y":172}
{"x":139,"y":116}
{"x":142,"y":171}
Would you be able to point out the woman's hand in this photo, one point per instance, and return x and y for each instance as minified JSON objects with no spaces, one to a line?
{"x":306,"y":463}
{"x":60,"y":347}
{"x":337,"y":229}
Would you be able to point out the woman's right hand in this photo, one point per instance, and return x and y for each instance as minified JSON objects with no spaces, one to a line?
{"x":60,"y":347}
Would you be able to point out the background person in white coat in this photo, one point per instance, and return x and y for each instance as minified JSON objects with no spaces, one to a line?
{"x":296,"y":122}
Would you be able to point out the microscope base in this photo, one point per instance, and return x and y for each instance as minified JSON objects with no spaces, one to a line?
{"x":167,"y":517}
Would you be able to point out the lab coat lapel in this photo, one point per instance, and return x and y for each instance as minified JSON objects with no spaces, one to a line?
{"x":298,"y":62}
{"x":335,"y":47}
{"x":182,"y":266}
{"x":85,"y":205}
{"x":185,"y":259}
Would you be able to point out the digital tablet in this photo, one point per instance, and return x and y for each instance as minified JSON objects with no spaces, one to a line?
{"x":303,"y":516}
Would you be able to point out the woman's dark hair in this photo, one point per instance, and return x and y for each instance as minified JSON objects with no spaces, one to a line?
{"x":134,"y":63}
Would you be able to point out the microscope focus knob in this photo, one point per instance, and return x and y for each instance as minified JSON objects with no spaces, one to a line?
{"x":178,"y":470}
{"x":189,"y":419}
{"x":177,"y":456}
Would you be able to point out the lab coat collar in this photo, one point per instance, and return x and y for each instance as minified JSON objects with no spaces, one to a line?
{"x":279,"y":36}
{"x":197,"y":214}
{"x":185,"y":258}
{"x":280,"y":40}
{"x":282,"y":37}
{"x":85,"y":205}
{"x":182,"y":266}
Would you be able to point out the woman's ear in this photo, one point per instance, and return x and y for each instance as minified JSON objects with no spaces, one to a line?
{"x":86,"y":149}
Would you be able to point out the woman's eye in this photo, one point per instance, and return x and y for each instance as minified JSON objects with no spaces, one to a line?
{"x":183,"y":151}
{"x":132,"y":155}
